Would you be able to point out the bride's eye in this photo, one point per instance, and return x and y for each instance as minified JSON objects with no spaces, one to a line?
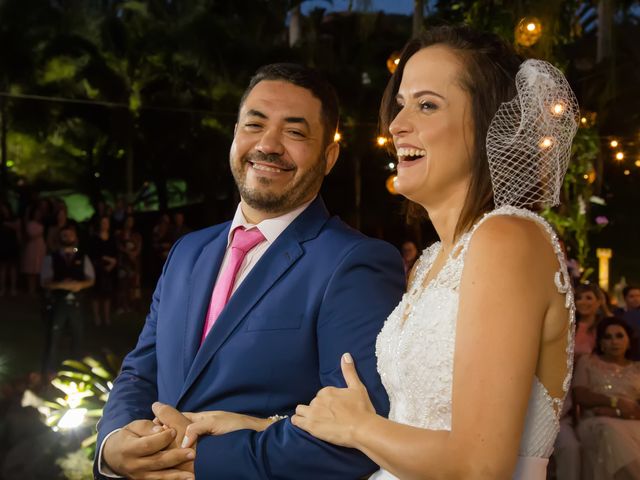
{"x":428,"y":106}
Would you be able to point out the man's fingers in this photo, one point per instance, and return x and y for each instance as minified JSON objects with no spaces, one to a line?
{"x":349,"y":371}
{"x":207,"y":426}
{"x":150,"y":444}
{"x":171,"y":474}
{"x":164,"y":460}
{"x":141,"y":428}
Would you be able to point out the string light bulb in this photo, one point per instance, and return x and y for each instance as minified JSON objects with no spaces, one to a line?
{"x":391,"y":184}
{"x":382,"y":141}
{"x":558,"y":109}
{"x":528,"y":31}
{"x":627,"y":172}
{"x":614,"y":143}
{"x":619,"y":156}
{"x":393,"y":61}
{"x":337,"y":137}
{"x":546,"y":142}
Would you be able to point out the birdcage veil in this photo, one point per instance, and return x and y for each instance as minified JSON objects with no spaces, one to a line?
{"x":529,"y":138}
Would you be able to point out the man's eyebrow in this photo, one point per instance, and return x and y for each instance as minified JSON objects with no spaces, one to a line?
{"x":256,"y":113}
{"x":297,"y":120}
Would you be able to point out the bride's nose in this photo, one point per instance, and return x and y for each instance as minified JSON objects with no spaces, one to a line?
{"x":400,"y":125}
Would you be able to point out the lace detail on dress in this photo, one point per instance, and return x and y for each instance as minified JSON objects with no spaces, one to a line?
{"x":415,"y":348}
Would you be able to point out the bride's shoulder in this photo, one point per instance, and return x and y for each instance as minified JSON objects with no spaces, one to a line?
{"x":508,"y":241}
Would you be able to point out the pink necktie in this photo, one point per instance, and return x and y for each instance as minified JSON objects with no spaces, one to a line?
{"x":243,"y":241}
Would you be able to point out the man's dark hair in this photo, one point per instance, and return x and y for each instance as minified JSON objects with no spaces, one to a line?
{"x":627,"y":290}
{"x":306,"y":78}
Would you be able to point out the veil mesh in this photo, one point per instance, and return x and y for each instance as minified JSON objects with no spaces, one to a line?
{"x":529,"y":138}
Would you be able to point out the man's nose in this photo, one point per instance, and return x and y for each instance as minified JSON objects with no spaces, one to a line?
{"x":270,"y":143}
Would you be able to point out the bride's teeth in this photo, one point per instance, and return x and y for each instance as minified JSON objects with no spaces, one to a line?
{"x":264,"y":168}
{"x":410,"y":152}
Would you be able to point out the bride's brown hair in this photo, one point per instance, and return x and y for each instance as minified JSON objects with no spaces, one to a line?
{"x":490,"y":67}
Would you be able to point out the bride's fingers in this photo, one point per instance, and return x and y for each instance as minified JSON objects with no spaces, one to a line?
{"x":349,"y":371}
{"x":206,"y":426}
{"x":302,"y":410}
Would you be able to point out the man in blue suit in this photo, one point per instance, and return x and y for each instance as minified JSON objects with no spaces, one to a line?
{"x":309,"y":290}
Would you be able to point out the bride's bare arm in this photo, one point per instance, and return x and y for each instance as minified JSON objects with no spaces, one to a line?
{"x":190,"y":426}
{"x":505,"y":292}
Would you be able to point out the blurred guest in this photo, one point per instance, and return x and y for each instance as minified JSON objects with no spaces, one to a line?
{"x":53,"y":231}
{"x":65,"y":273}
{"x":103,"y":252}
{"x":118,"y":215}
{"x":161,"y":237}
{"x":409,"y":252}
{"x":129,"y":243}
{"x":178,"y":227}
{"x":9,"y":248}
{"x":34,"y":248}
{"x":607,"y":386}
{"x":631,"y":313}
{"x":591,"y":307}
{"x":566,"y":450}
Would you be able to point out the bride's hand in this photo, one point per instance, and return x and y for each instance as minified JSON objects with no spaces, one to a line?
{"x":335,"y":413}
{"x":218,"y":423}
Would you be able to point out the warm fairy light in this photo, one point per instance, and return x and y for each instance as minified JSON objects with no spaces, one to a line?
{"x":614,"y":143}
{"x":558,"y":109}
{"x":586,"y":176}
{"x":546,"y":142}
{"x":393,"y":61}
{"x":528,"y":31}
{"x":627,"y":172}
{"x":583,"y":120}
{"x":619,"y":156}
{"x":391,"y":165}
{"x":382,"y":141}
{"x":637,"y":163}
{"x":391,"y":184}
{"x":337,"y":137}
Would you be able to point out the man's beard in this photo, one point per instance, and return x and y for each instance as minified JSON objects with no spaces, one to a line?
{"x":292,"y":196}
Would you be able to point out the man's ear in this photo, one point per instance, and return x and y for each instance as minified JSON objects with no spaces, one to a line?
{"x":331,"y":155}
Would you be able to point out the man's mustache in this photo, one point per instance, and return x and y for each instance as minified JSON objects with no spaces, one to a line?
{"x":271,"y":159}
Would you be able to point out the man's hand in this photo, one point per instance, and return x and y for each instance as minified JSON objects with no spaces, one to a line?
{"x":138,"y":452}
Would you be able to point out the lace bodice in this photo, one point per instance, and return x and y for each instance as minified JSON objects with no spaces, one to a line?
{"x":415,"y":348}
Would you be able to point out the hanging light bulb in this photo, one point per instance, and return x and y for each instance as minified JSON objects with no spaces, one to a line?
{"x":558,"y":108}
{"x":614,"y":143}
{"x":546,"y":142}
{"x":528,"y":31}
{"x":393,"y":61}
{"x":337,"y":137}
{"x":382,"y":141}
{"x":619,"y":156}
{"x":391,"y":184}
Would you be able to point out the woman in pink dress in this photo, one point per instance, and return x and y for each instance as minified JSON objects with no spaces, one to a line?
{"x":34,"y":249}
{"x":591,"y":307}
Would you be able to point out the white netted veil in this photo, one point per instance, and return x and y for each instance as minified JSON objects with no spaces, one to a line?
{"x":529,"y":138}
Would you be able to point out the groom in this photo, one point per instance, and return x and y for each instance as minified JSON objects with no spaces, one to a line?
{"x":252,"y":315}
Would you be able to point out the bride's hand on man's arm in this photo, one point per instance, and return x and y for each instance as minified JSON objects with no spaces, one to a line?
{"x":191,"y":425}
{"x":335,"y":414}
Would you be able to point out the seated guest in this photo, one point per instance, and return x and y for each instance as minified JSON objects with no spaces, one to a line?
{"x":631,"y":313}
{"x":606,"y":385}
{"x":591,"y":307}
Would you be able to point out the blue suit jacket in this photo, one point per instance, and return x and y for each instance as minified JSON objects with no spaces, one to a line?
{"x":321,"y":289}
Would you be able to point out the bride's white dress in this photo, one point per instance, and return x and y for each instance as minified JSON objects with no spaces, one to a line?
{"x":415,"y":352}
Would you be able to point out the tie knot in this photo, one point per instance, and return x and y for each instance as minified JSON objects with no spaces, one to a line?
{"x":245,"y":240}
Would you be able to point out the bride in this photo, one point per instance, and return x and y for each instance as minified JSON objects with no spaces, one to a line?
{"x":476,"y":358}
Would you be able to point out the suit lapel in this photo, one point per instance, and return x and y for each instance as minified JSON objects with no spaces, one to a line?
{"x":200,"y":288}
{"x":274,"y":263}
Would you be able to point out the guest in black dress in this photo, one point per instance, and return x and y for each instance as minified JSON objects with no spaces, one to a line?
{"x":103,"y":252}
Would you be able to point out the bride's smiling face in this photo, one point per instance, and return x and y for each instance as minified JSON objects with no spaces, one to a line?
{"x":433,"y":130}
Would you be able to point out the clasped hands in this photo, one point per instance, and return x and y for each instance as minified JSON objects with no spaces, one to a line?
{"x":165,"y":448}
